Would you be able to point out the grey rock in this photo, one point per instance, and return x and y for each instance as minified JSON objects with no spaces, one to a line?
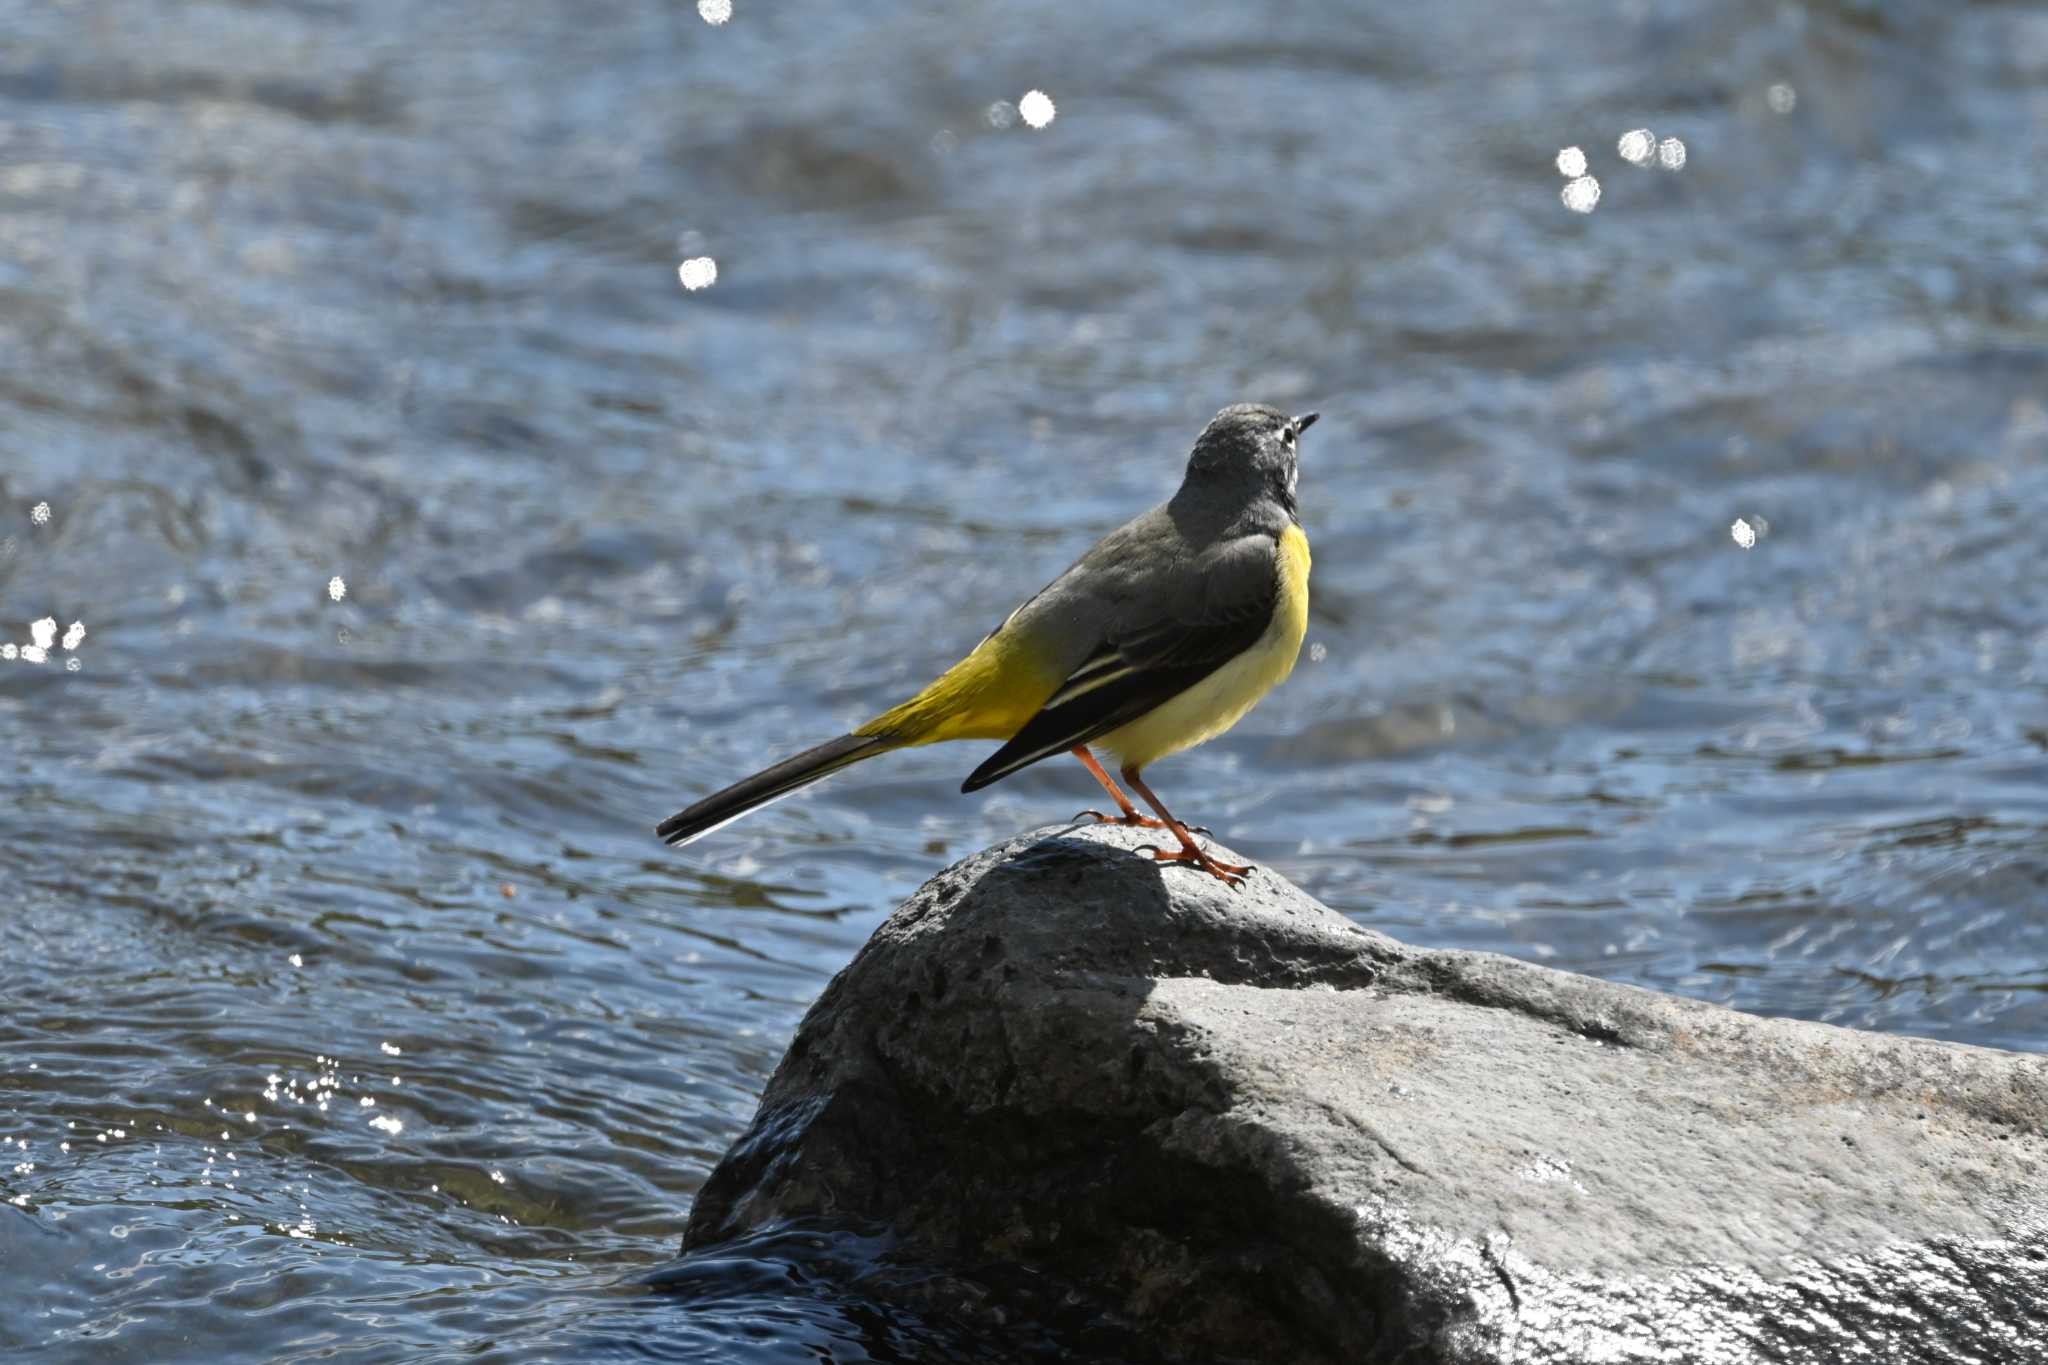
{"x":1256,"y":1131}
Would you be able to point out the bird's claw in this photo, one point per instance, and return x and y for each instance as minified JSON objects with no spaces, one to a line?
{"x":1133,"y":819}
{"x":1231,"y":875}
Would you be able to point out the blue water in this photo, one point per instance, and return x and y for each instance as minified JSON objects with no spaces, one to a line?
{"x":388,"y":293}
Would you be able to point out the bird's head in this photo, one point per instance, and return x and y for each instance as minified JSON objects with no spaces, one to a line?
{"x":1253,"y":448}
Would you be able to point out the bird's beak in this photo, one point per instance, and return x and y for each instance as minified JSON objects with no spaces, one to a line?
{"x":1305,"y":421}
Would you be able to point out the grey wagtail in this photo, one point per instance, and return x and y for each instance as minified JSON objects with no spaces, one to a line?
{"x":1159,"y":638}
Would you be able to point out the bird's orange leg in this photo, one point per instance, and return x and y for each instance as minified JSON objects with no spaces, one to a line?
{"x":1130,"y":814}
{"x":1230,"y":874}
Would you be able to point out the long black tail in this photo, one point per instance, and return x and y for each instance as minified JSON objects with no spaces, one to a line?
{"x":722,"y":808}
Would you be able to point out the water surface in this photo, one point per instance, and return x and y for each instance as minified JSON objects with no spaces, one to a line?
{"x":338,"y":950}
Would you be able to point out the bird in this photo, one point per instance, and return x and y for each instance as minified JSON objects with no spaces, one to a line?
{"x":1159,"y":638}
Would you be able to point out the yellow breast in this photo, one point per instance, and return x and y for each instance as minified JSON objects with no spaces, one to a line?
{"x":1220,"y":700}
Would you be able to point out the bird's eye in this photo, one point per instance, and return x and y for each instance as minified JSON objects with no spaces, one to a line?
{"x":1287,"y":436}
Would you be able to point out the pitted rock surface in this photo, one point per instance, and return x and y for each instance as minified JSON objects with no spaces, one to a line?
{"x":1256,"y":1131}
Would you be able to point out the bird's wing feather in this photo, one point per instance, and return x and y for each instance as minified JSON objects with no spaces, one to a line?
{"x":1149,"y":653}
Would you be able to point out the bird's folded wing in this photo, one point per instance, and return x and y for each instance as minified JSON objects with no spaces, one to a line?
{"x":1146,"y":660}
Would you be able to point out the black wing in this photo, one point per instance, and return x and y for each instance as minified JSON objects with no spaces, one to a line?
{"x":1143,"y":666}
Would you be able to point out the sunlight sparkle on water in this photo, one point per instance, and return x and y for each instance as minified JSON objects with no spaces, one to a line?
{"x":336,"y":589}
{"x":1582,"y":195}
{"x":1782,"y":98}
{"x":385,"y":1123}
{"x":1036,"y":108}
{"x":714,"y":12}
{"x":40,"y":514}
{"x":1637,"y":146}
{"x":390,"y":1049}
{"x":1571,"y":163}
{"x":1671,"y":154}
{"x":1001,"y":115}
{"x":44,"y":632}
{"x":699,"y":272}
{"x":74,"y":636}
{"x":1744,"y":534}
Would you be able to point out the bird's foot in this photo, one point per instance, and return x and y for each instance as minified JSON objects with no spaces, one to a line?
{"x":1132,"y":819}
{"x":1231,"y":875}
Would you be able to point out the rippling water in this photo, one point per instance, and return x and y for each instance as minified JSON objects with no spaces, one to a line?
{"x":348,"y":1008}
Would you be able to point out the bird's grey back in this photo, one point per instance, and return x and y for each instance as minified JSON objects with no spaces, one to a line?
{"x":1173,"y":562}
